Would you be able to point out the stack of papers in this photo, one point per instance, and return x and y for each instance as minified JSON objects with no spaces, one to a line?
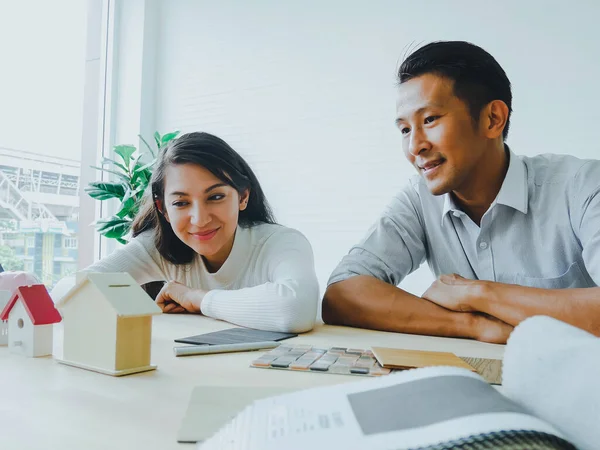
{"x":412,"y":409}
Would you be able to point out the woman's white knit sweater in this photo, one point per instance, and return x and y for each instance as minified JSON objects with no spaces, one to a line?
{"x":268,"y":281}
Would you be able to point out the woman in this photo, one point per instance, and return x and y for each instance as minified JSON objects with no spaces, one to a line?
{"x":208,"y":230}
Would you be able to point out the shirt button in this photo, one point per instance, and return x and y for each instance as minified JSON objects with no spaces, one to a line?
{"x":483,"y":245}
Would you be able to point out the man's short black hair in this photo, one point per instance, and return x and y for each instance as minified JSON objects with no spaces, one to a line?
{"x":477,"y":76}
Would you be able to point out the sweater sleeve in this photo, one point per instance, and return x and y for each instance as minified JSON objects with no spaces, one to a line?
{"x":139,"y":258}
{"x":287,"y":302}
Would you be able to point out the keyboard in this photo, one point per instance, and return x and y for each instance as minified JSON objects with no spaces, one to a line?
{"x":334,"y":360}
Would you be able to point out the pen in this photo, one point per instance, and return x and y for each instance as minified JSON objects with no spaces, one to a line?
{"x":188,"y":350}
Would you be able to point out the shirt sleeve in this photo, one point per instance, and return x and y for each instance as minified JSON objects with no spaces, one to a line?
{"x":139,"y":258}
{"x":393,"y":247}
{"x":287,"y":302}
{"x":587,"y":190}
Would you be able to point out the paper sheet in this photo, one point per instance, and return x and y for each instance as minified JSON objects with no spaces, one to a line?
{"x":211,"y":407}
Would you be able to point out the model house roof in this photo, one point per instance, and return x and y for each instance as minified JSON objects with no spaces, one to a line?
{"x":37,"y":303}
{"x":120,"y":290}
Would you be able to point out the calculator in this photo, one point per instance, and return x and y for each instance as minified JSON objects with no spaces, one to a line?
{"x":334,"y":360}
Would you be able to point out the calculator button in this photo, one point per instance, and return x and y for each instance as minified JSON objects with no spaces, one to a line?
{"x":337,"y":349}
{"x":354,"y":351}
{"x":264,"y":361}
{"x":320,"y":367}
{"x":283,"y":362}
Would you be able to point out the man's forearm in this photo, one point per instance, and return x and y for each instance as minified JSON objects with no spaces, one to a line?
{"x":366,"y":302}
{"x":513,"y":304}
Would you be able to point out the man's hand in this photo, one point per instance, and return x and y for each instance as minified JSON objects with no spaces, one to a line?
{"x":492,"y":330}
{"x":454,"y":292}
{"x":460,"y":294}
{"x":175,"y":297}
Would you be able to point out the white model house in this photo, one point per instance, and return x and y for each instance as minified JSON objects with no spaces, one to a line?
{"x":107,"y":324}
{"x":4,"y":298}
{"x":30,"y":313}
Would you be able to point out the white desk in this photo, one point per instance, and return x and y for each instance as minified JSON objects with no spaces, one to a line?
{"x":46,"y":405}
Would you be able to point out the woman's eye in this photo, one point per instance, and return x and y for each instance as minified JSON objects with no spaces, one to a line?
{"x":404,"y":130}
{"x":179,"y":204}
{"x":430,"y":119}
{"x":216,"y":197}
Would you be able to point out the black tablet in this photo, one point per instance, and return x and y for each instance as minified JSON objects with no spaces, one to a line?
{"x":235,"y":336}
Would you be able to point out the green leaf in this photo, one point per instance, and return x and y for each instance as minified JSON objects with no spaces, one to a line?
{"x":147,"y":146}
{"x":157,"y":139}
{"x":142,"y":173}
{"x":103,"y":190}
{"x":106,"y":161}
{"x":127,"y":208}
{"x":144,"y":167}
{"x":137,"y":161}
{"x":125,"y":152}
{"x":141,"y":180}
{"x":166,"y":138}
{"x":122,"y":176}
{"x":121,"y":240}
{"x":113,"y":227}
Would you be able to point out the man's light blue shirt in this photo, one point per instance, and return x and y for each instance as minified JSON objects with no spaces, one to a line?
{"x":542,"y":230}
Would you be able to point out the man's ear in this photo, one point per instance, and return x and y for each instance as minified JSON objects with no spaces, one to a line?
{"x":495,"y":116}
{"x":244,"y":199}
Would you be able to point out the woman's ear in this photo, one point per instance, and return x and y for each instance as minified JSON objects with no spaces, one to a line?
{"x":244,"y":199}
{"x":160,"y":208}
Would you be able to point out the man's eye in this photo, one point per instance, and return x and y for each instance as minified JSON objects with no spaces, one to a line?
{"x":430,"y":119}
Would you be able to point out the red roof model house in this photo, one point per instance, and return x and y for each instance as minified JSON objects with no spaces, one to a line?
{"x":30,"y":313}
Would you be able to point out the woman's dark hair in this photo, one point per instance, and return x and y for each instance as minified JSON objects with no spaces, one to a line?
{"x":477,"y":76}
{"x":216,"y":156}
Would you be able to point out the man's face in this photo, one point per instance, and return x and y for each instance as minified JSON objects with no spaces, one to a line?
{"x":439,"y":137}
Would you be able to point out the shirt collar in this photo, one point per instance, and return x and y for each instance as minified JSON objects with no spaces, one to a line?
{"x":513,"y":192}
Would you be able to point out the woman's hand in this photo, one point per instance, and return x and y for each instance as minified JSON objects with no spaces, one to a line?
{"x":175,"y":298}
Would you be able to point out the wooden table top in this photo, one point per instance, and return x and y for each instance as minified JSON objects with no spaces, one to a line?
{"x":47,"y":405}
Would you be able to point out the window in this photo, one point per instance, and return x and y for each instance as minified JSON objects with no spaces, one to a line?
{"x":30,"y":240}
{"x":40,"y":141}
{"x":70,"y":242}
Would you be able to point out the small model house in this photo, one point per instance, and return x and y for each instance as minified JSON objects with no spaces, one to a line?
{"x":107,"y":324}
{"x":4,"y":298}
{"x":30,"y":313}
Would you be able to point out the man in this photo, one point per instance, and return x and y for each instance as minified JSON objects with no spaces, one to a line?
{"x":508,"y":237}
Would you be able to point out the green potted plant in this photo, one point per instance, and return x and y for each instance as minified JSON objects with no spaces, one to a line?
{"x":132,"y":174}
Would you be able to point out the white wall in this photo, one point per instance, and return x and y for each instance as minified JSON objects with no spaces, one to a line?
{"x":305,"y":92}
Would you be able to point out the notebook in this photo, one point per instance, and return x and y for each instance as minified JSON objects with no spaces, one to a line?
{"x":395,"y":358}
{"x":433,"y":408}
{"x":235,"y":336}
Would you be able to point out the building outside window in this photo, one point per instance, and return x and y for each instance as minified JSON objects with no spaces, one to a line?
{"x":40,"y":143}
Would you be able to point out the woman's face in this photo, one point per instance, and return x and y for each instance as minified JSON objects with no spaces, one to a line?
{"x":202,"y":210}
